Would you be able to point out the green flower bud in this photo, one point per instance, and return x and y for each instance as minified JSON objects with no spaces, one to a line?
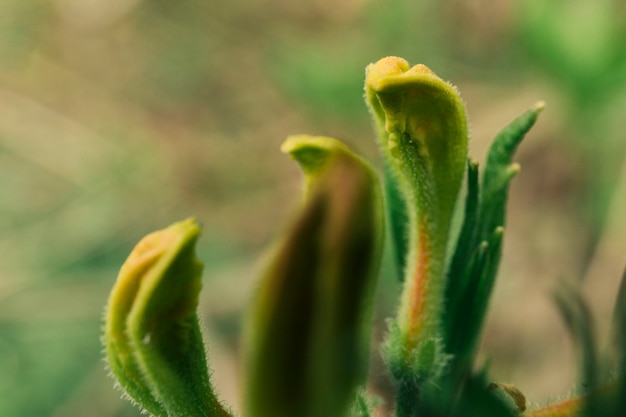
{"x":309,"y":328}
{"x":422,"y":129}
{"x":152,"y":338}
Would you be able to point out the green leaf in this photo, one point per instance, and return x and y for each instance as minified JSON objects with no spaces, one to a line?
{"x":618,"y":328}
{"x":472,"y":275}
{"x":462,"y":309}
{"x":307,"y":343}
{"x":499,"y":171}
{"x":152,"y":338}
{"x":618,"y":325}
{"x":461,"y":261}
{"x":364,"y":405}
{"x":578,"y":320}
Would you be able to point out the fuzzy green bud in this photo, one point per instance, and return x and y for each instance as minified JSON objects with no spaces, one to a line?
{"x":152,"y":338}
{"x":422,"y":129}
{"x":309,"y":327}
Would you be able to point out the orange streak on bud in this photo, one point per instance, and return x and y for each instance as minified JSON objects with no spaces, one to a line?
{"x":419,"y":293}
{"x":568,"y":408}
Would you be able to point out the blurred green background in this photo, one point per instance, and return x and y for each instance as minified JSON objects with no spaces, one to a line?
{"x":119,"y":117}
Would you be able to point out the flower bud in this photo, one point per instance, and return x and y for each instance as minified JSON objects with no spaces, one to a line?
{"x":422,"y":130}
{"x":152,"y":338}
{"x":308,"y":332}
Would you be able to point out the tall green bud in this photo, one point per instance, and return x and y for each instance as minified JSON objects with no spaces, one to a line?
{"x":309,"y":328}
{"x":422,"y":129}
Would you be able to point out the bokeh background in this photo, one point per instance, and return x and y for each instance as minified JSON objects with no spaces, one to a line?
{"x":118,"y":117}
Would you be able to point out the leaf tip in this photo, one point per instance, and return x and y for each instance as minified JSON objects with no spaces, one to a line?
{"x":539,"y":106}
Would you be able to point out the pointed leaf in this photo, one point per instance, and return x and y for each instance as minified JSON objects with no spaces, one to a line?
{"x":578,"y":320}
{"x":499,"y":170}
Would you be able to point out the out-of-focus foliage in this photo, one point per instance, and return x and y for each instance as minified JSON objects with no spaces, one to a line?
{"x":117,"y":117}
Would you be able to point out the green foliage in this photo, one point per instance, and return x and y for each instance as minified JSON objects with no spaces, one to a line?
{"x":119,"y":117}
{"x":473,"y":268}
{"x":307,"y":336}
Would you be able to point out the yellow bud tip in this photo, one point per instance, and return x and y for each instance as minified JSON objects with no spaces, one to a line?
{"x":313,"y":152}
{"x":390,"y":65}
{"x":390,"y":70}
{"x":296,"y":143}
{"x":153,"y":246}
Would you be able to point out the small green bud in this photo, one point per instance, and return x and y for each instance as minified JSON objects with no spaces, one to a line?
{"x":422,"y":128}
{"x":510,"y":394}
{"x":152,"y":338}
{"x":309,"y":328}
